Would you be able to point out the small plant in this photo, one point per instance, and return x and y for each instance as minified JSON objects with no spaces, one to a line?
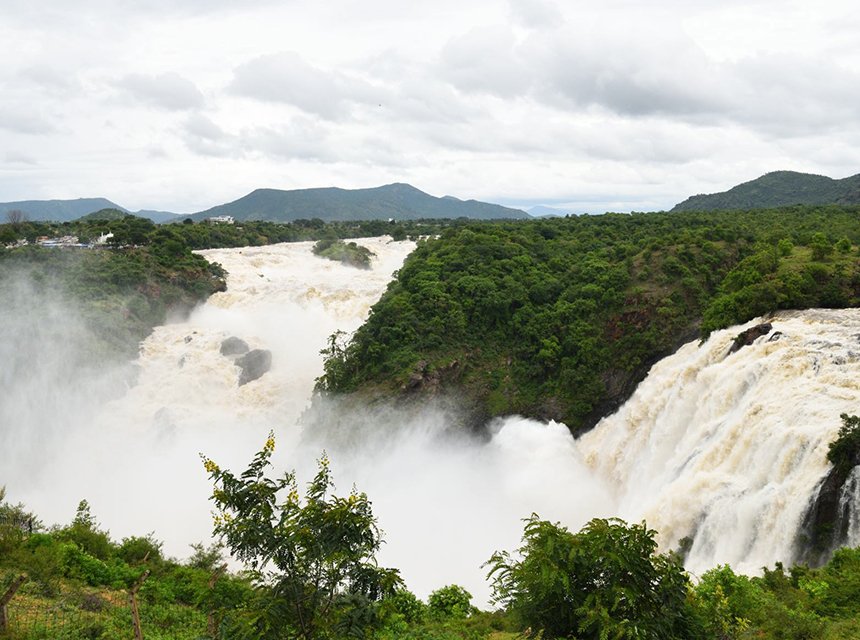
{"x":844,"y":452}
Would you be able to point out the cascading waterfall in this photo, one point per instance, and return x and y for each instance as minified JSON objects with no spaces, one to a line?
{"x":724,"y":449}
{"x":728,"y":448}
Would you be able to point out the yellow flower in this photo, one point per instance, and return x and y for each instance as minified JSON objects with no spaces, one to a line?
{"x":210,"y":466}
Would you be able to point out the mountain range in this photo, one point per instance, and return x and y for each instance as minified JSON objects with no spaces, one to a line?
{"x":401,"y":201}
{"x":398,"y":201}
{"x":777,"y":189}
{"x":68,"y":210}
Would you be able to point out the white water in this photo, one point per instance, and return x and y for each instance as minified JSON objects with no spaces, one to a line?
{"x":729,"y":448}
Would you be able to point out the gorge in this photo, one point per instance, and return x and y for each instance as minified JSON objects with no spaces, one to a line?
{"x":726,"y":450}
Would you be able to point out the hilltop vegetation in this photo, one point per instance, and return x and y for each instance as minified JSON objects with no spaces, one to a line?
{"x":779,"y":189}
{"x":393,"y":201}
{"x":561,"y":318}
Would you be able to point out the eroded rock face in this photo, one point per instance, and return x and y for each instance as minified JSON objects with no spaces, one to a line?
{"x":234,"y":346}
{"x":746,"y":338}
{"x":826,"y":524}
{"x":253,"y":365}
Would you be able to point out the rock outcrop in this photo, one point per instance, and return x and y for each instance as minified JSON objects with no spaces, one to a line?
{"x":234,"y":346}
{"x":746,"y":338}
{"x":253,"y":365}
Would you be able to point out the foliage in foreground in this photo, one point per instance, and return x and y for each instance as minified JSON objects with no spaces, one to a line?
{"x":78,"y":580}
{"x":314,"y":577}
{"x":607,"y":581}
{"x":313,"y":560}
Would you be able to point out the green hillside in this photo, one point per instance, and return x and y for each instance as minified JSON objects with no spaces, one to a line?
{"x":56,"y":210}
{"x":104,"y":215}
{"x":561,"y":318}
{"x":397,"y":201}
{"x":778,"y":189}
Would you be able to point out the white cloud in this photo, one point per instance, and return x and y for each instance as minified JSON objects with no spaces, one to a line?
{"x":485,"y":59}
{"x":536,"y":13}
{"x":26,"y":119}
{"x":167,"y":90}
{"x":287,"y":78}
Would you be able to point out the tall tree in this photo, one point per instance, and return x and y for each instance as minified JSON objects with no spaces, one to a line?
{"x":313,"y":560}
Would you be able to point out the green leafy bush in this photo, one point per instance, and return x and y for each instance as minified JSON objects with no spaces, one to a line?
{"x":605,"y":581}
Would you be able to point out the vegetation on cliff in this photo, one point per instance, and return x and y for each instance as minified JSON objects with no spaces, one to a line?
{"x":561,"y":318}
{"x":120,"y":293}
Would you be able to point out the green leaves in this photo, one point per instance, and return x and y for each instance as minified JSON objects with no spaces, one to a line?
{"x":560,"y":318}
{"x":844,"y":452}
{"x":313,"y":557}
{"x":607,"y":581}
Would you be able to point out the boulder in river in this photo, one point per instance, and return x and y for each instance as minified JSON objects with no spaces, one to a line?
{"x":233,"y":346}
{"x":746,"y":338}
{"x":253,"y":364}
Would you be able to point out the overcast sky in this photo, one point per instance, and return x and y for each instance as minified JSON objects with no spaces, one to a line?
{"x":611,"y":105}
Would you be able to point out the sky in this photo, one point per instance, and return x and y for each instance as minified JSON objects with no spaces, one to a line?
{"x":617,"y":105}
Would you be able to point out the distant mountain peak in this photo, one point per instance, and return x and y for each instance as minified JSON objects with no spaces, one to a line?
{"x":398,"y":201}
{"x":777,"y":189}
{"x":58,"y":210}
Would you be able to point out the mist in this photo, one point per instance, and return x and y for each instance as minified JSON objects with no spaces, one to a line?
{"x":76,"y":427}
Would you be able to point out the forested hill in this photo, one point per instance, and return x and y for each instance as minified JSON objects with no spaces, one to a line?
{"x":397,"y":201}
{"x":58,"y":210}
{"x":778,"y":189}
{"x":561,"y":318}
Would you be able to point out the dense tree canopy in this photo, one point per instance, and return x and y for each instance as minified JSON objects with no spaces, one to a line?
{"x":561,"y":318}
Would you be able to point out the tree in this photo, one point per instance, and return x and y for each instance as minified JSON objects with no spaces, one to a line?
{"x":84,"y":531}
{"x":15,"y":217}
{"x":312,"y":560}
{"x":452,"y":601}
{"x":821,"y":246}
{"x":607,"y":581}
{"x":844,"y":452}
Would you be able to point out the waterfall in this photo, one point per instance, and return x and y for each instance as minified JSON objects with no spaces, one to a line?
{"x":725,"y":449}
{"x":728,"y":449}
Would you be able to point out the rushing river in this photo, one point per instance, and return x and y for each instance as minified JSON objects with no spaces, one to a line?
{"x":724,"y":448}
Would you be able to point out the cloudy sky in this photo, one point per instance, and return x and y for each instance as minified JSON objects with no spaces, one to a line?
{"x":611,"y":105}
